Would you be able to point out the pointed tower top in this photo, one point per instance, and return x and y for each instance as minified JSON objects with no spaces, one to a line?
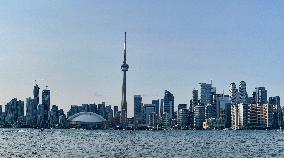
{"x":124,"y":47}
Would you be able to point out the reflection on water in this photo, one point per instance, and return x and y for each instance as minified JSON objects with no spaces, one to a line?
{"x":82,"y":143}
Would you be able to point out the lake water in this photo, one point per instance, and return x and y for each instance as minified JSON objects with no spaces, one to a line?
{"x":83,"y":143}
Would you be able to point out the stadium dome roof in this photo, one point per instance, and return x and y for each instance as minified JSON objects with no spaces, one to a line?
{"x":86,"y":117}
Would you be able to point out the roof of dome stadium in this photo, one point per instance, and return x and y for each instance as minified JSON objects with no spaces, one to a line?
{"x":86,"y":117}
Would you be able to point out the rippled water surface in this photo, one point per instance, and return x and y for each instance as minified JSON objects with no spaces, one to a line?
{"x":83,"y":143}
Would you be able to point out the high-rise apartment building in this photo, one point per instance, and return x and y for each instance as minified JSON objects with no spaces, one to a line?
{"x":261,"y":95}
{"x":169,"y":104}
{"x":138,"y":105}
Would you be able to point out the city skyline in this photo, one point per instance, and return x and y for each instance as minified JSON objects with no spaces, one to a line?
{"x":78,"y":55}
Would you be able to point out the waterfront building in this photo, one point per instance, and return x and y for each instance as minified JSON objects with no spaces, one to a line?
{"x":210,"y":111}
{"x":138,"y":105}
{"x":234,"y":99}
{"x":124,"y":68}
{"x":54,"y":117}
{"x":228,"y":115}
{"x":153,"y":120}
{"x":161,"y":107}
{"x":166,"y":121}
{"x":182,"y":106}
{"x":198,"y":108}
{"x":46,"y":107}
{"x":251,"y":100}
{"x":274,"y":100}
{"x":148,"y":109}
{"x":36,"y":94}
{"x":213,"y":123}
{"x":2,"y":118}
{"x":199,"y":116}
{"x":14,"y":113}
{"x":85,"y":108}
{"x":31,"y":112}
{"x":157,"y":103}
{"x":101,"y":109}
{"x":260,"y":116}
{"x":220,"y":102}
{"x":169,"y":104}
{"x":130,"y":121}
{"x":240,"y":116}
{"x":109,"y":113}
{"x":239,"y":109}
{"x":277,"y":119}
{"x":93,"y":108}
{"x":62,"y":121}
{"x":74,"y":109}
{"x":243,"y":92}
{"x":182,"y":118}
{"x":268,"y":115}
{"x":195,"y":100}
{"x":190,"y":115}
{"x":193,"y":103}
{"x":116,"y":119}
{"x":46,"y":99}
{"x":115,"y":111}
{"x":206,"y":93}
{"x":41,"y":116}
{"x":261,"y":95}
{"x":109,"y":116}
{"x":233,"y":94}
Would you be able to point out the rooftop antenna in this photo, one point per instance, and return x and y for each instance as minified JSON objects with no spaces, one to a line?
{"x":124,"y":47}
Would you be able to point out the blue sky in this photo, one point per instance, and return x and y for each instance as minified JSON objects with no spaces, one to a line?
{"x":76,"y":47}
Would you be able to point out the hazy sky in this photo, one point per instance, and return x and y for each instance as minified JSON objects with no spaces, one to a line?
{"x":76,"y":47}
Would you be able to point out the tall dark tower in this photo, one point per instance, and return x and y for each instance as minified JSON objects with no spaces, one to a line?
{"x":46,"y":106}
{"x":36,"y":94}
{"x":124,"y":68}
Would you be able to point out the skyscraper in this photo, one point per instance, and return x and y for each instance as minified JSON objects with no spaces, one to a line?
{"x":169,"y":104}
{"x":233,"y":93}
{"x":148,"y":110}
{"x":31,"y":112}
{"x":36,"y":94}
{"x":101,"y":109}
{"x":115,"y":111}
{"x":277,"y":119}
{"x":182,"y":116}
{"x":124,"y":68}
{"x":206,"y":96}
{"x":54,"y":117}
{"x":157,"y":103}
{"x":137,"y":109}
{"x":194,"y":98}
{"x":274,"y":100}
{"x":14,"y":112}
{"x":243,"y":92}
{"x":162,"y":108}
{"x":261,"y":95}
{"x":46,"y":106}
{"x":46,"y":99}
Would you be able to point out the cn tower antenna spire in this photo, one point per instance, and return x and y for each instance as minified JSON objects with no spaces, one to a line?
{"x":124,"y":47}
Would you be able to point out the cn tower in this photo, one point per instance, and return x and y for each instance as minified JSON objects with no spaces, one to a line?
{"x":124,"y":68}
